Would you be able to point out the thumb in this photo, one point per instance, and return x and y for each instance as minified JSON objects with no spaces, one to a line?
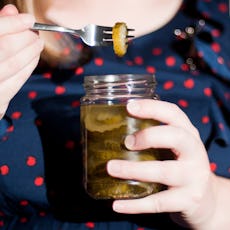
{"x":8,"y":10}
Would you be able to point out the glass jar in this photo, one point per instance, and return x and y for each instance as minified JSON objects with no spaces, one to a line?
{"x":105,"y":123}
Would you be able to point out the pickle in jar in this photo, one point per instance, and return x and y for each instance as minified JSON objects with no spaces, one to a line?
{"x":105,"y":127}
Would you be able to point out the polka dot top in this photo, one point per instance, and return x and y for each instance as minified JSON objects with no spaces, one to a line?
{"x":40,"y":149}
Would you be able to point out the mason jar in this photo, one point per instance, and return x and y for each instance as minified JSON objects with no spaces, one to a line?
{"x":105,"y":123}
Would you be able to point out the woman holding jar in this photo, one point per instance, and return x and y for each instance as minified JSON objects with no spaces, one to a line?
{"x":184,"y":43}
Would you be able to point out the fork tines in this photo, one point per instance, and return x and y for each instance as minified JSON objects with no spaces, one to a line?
{"x":107,"y":34}
{"x":130,"y":30}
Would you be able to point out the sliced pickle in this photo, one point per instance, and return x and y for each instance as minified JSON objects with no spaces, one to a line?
{"x":120,"y":41}
{"x":105,"y":155}
{"x":148,"y":123}
{"x":101,"y":121}
{"x":121,"y":189}
{"x":105,"y":127}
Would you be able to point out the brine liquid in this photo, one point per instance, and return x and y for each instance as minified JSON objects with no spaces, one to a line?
{"x":104,"y":128}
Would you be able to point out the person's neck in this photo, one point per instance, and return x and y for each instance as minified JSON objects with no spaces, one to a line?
{"x":144,"y":16}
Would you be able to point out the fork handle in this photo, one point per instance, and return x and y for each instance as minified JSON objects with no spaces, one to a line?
{"x":53,"y":28}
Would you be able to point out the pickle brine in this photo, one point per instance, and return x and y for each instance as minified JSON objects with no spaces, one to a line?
{"x":104,"y":128}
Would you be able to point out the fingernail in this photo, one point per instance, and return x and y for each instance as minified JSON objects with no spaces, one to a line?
{"x":113,"y":168}
{"x":133,"y":106}
{"x":8,"y":6}
{"x":118,"y":207}
{"x":27,"y":19}
{"x":130,"y":141}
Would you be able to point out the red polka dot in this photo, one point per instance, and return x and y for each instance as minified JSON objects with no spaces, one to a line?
{"x":220,"y":60}
{"x":220,"y":103}
{"x":75,"y":104}
{"x":227,"y":96}
{"x":151,"y":69}
{"x":1,"y":223}
{"x":206,"y":15}
{"x":38,"y":122}
{"x":42,"y":213}
{"x":39,"y":181}
{"x":138,"y":60}
{"x":5,"y":138}
{"x":10,"y":129}
{"x":90,"y":225}
{"x":168,"y":85}
{"x":221,"y":126}
{"x":215,"y":33}
{"x":57,"y":36}
{"x":208,"y":92}
{"x":4,"y":170}
{"x":189,"y":83}
{"x":200,"y":54}
{"x":215,"y":47}
{"x":214,"y":71}
{"x":24,"y":202}
{"x":222,"y":7}
{"x":23,"y":219}
{"x":79,"y":46}
{"x":205,"y":119}
{"x":184,"y":67}
{"x":16,"y":115}
{"x":79,"y":71}
{"x":32,"y":94}
{"x":213,"y":166}
{"x":70,"y":144}
{"x":170,"y":61}
{"x":66,"y":51}
{"x":129,"y":63}
{"x":60,"y":90}
{"x":183,"y":103}
{"x":157,"y":51}
{"x":47,"y":75}
{"x":99,"y":61}
{"x":31,"y":161}
{"x":2,"y":213}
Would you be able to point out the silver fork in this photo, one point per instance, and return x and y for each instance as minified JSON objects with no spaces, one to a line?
{"x":92,"y":35}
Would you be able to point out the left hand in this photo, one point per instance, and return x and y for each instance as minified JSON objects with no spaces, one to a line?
{"x":191,"y":190}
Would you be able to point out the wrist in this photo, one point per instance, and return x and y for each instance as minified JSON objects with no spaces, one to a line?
{"x":218,"y":217}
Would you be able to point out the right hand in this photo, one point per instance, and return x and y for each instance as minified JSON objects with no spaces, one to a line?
{"x":20,"y":50}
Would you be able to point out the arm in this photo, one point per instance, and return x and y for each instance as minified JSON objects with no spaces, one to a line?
{"x":201,"y":197}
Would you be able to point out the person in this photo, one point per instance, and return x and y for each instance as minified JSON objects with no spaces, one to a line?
{"x":185,"y":44}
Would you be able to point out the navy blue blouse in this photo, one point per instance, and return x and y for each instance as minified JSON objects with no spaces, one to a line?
{"x":40,"y":151}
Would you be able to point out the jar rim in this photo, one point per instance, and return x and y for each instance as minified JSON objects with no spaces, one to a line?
{"x":111,"y":78}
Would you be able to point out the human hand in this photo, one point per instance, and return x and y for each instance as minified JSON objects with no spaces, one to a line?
{"x":191,"y":191}
{"x":19,"y":52}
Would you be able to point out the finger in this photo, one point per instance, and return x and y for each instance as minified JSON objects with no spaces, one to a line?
{"x":182,"y":143}
{"x":22,"y":76}
{"x":170,"y":173}
{"x":3,"y":108}
{"x":15,"y":23}
{"x":8,"y":9}
{"x":162,"y":111}
{"x":13,"y":43}
{"x":11,"y":87}
{"x":9,"y":67}
{"x":172,"y":200}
